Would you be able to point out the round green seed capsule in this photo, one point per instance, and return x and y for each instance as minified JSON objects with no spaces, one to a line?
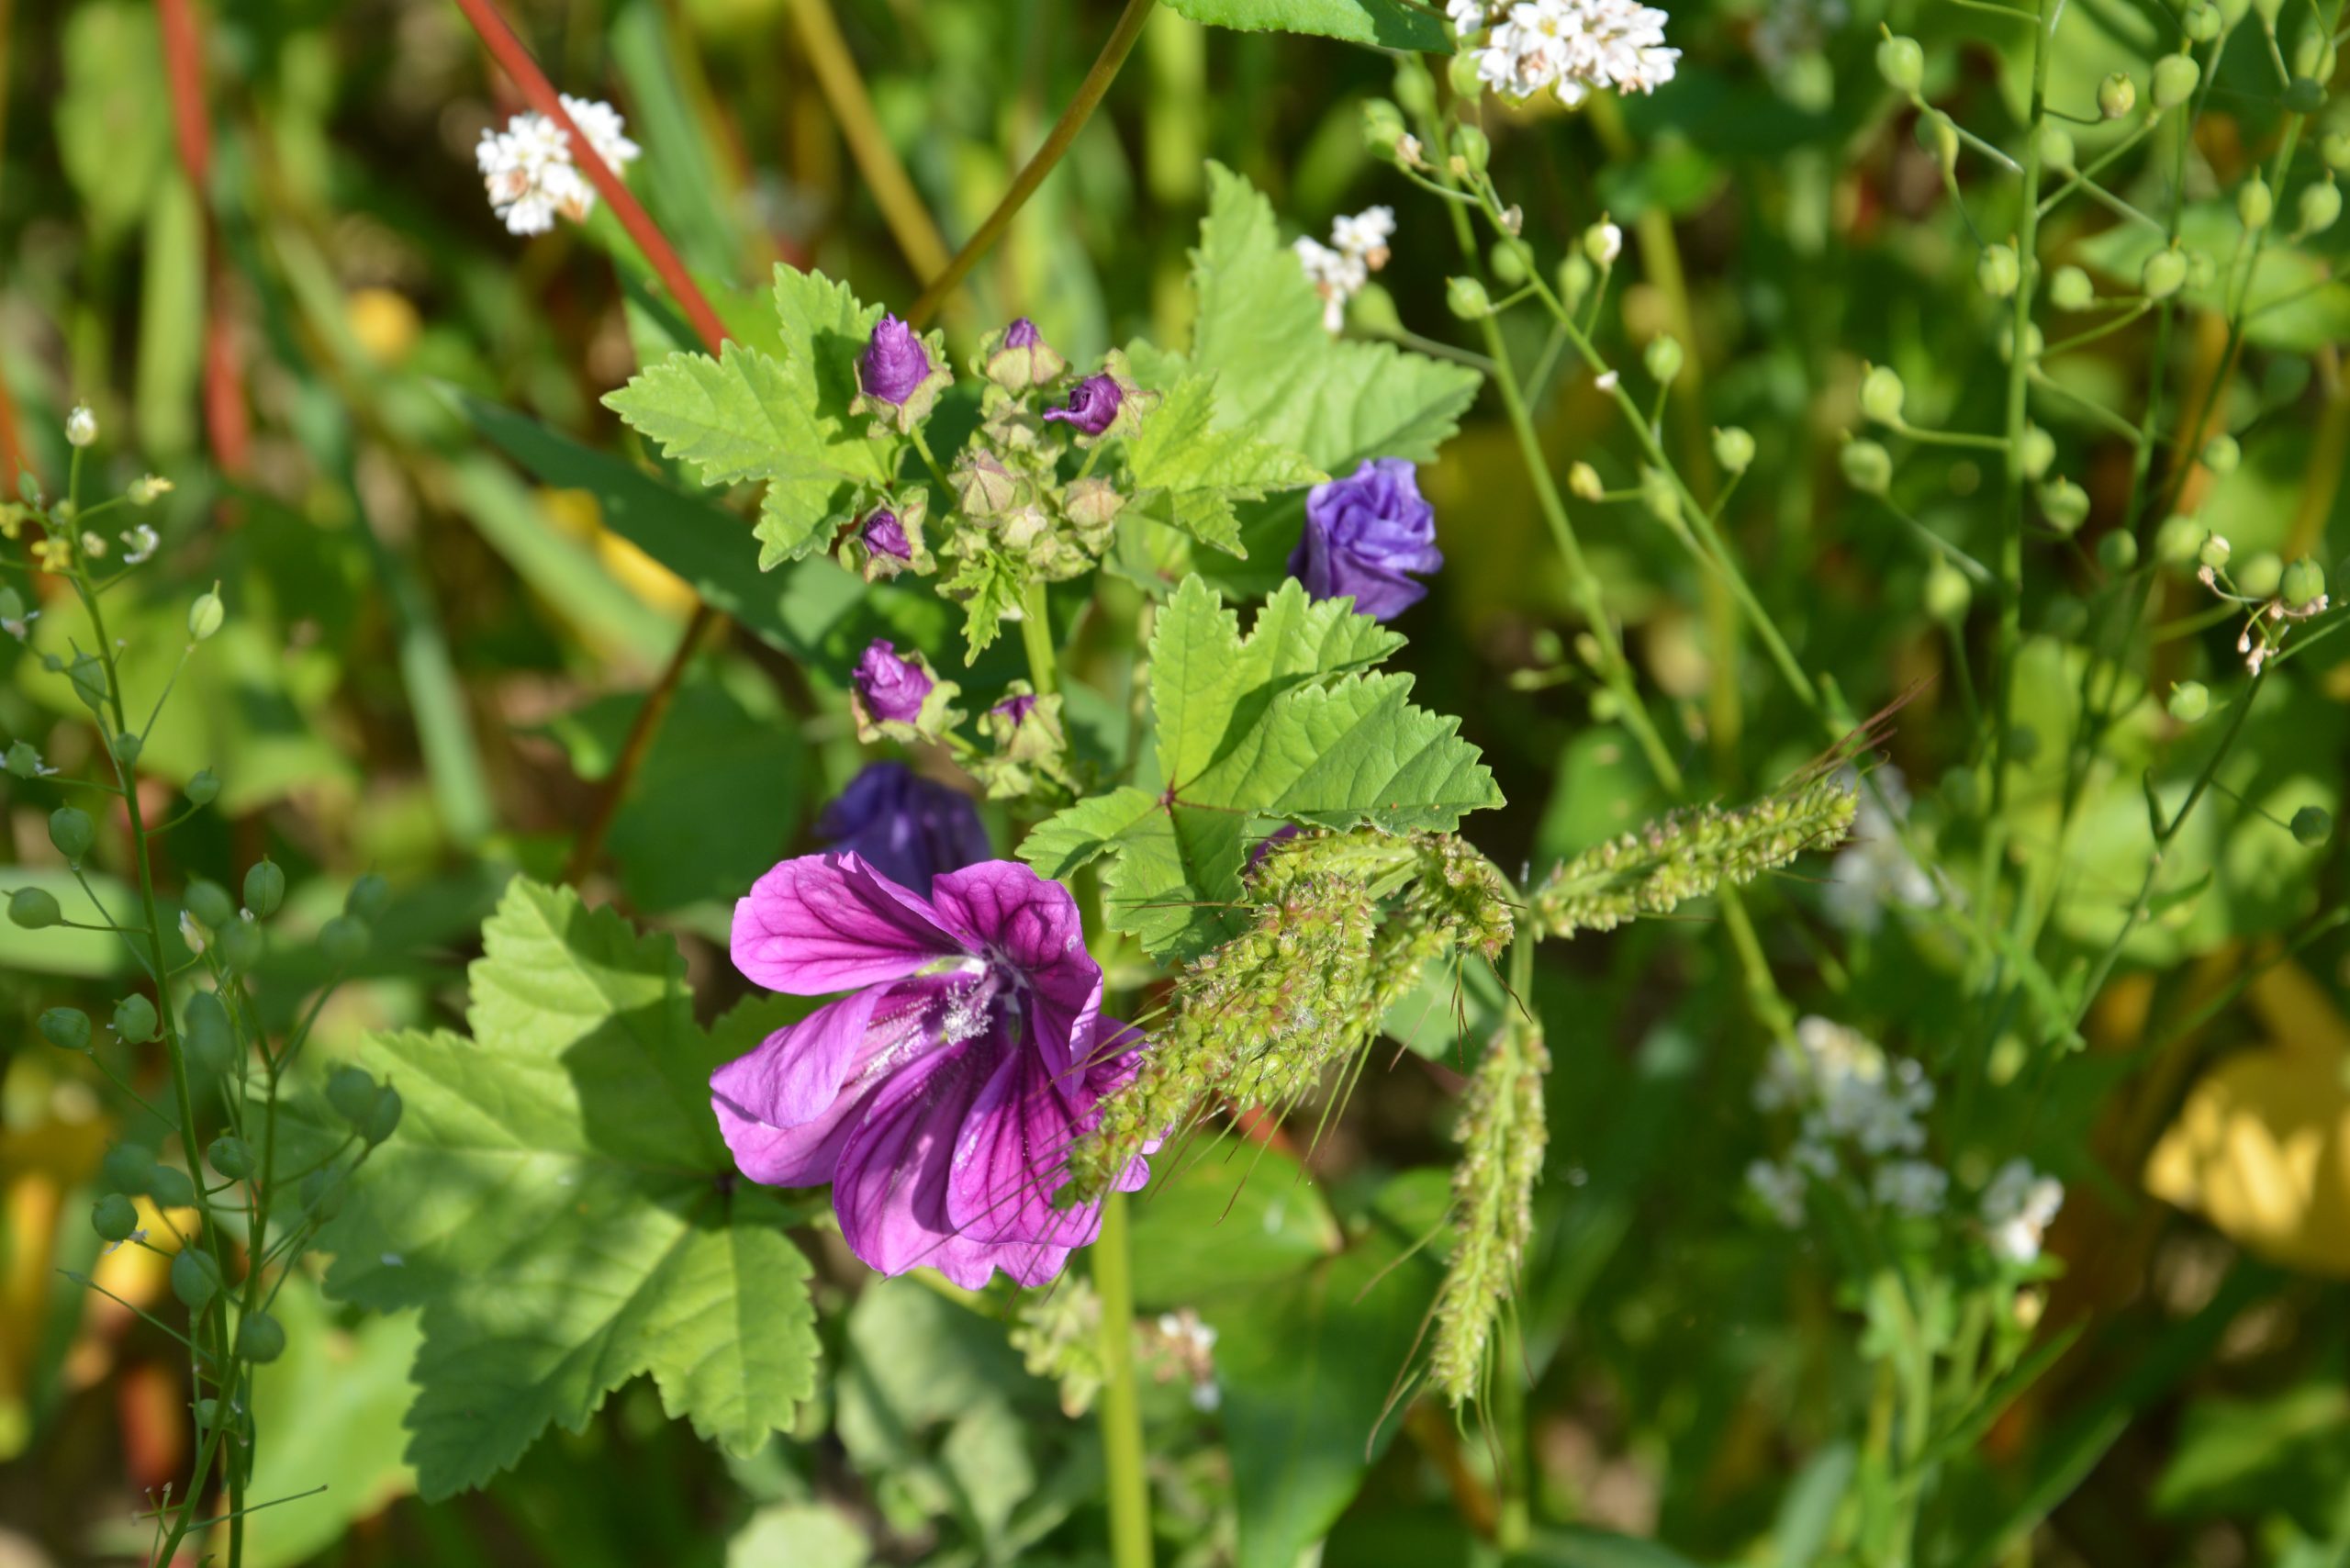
{"x":2261,"y":575}
{"x":2055,"y":147}
{"x":264,"y":889}
{"x":2304,"y":584}
{"x":2320,"y":206}
{"x":2312,"y":825}
{"x":128,"y":1167}
{"x":2256,"y":203}
{"x":1663,"y":358}
{"x":343,"y":940}
{"x":134,"y":1019}
{"x":2066,"y":505}
{"x":351,"y":1091}
{"x":259,"y":1337}
{"x":2117,"y":95}
{"x":171,"y":1188}
{"x":71,"y":831}
{"x":2221,"y":454}
{"x":1882,"y":395}
{"x":2163,"y":274}
{"x":1902,"y":62}
{"x":35,"y":909}
{"x":1473,"y":147}
{"x":205,"y":1035}
{"x":195,"y":1278}
{"x":114,"y":1217}
{"x":2070,"y":289}
{"x":2334,"y":148}
{"x":2202,"y":21}
{"x":231,"y":1156}
{"x":1733,"y":449}
{"x":210,"y":904}
{"x":2118,"y":552}
{"x":2213,"y":552}
{"x":204,"y":788}
{"x":2175,"y":78}
{"x":383,"y":1116}
{"x":1867,"y":466}
{"x":1948,"y":593}
{"x":368,"y":896}
{"x":67,"y":1028}
{"x":2178,"y":540}
{"x":2304,"y":96}
{"x":1466,"y":298}
{"x":2189,"y":701}
{"x":1999,"y":272}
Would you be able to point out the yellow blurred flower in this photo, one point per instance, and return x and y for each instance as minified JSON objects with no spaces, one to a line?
{"x":576,"y":513}
{"x":384,"y":323}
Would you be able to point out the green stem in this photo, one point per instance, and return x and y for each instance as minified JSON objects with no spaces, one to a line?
{"x":1121,"y":1406}
{"x":1036,"y":639}
{"x":837,"y":76}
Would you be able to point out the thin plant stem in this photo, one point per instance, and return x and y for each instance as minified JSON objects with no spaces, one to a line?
{"x":705,"y":625}
{"x":1036,"y":640}
{"x":1121,"y":1406}
{"x":837,"y":76}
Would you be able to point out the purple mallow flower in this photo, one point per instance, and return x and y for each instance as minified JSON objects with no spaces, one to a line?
{"x":903,"y":825}
{"x":941,"y":1095}
{"x":894,"y":363}
{"x":891,"y":686}
{"x":1092,"y":406}
{"x":885,"y":535}
{"x":1362,"y":535}
{"x":1022,"y":334}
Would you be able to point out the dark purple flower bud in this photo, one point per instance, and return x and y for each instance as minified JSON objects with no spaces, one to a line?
{"x":1092,"y":406}
{"x":885,"y":535}
{"x":1271,"y":842}
{"x":1022,"y":334}
{"x":1363,"y":533}
{"x":1016,"y":709}
{"x":894,"y":363}
{"x":891,"y":686}
{"x":904,"y":826}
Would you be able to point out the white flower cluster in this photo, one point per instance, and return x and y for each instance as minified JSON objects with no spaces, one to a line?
{"x":2018,"y":1207}
{"x":1861,"y":1109}
{"x":1873,"y":870}
{"x":1338,"y":271}
{"x":528,"y":168}
{"x":1568,"y":47}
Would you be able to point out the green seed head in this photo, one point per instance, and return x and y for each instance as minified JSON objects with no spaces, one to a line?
{"x":1466,"y":298}
{"x":2213,"y":552}
{"x":2117,"y":95}
{"x":2312,"y":825}
{"x":2039,"y":451}
{"x":2164,"y":274}
{"x":2118,"y":552}
{"x":1948,"y":593}
{"x":1867,"y":466}
{"x":2175,"y":78}
{"x":2320,"y":206}
{"x":259,"y":1337}
{"x":34,"y":908}
{"x":1999,"y":272}
{"x":2178,"y":540}
{"x":2189,"y":701}
{"x":2256,"y":203}
{"x":2304,"y":584}
{"x":2261,"y":575}
{"x":2066,"y":505}
{"x":195,"y":1278}
{"x":205,"y":1033}
{"x":1733,"y":449}
{"x":2070,"y":289}
{"x":1882,"y":395}
{"x":114,"y":1217}
{"x":2202,"y":21}
{"x":343,"y":940}
{"x":1663,"y":358}
{"x":2221,"y":454}
{"x":264,"y":889}
{"x":210,"y":904}
{"x":71,"y":830}
{"x":1901,"y":62}
{"x":2055,"y":146}
{"x":134,"y":1019}
{"x":67,"y":1028}
{"x":204,"y":788}
{"x":230,"y":1155}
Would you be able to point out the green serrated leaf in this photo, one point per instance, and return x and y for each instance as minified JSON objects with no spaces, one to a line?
{"x":1290,"y":723}
{"x":989,"y":585}
{"x":559,"y":1205}
{"x":1198,"y":469}
{"x":1382,"y":24}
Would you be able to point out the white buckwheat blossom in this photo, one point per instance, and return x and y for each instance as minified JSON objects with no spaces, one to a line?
{"x":1873,"y":870}
{"x":2018,"y":1207}
{"x":528,"y":171}
{"x":138,"y":545}
{"x":1338,"y":271}
{"x":1861,"y":1113}
{"x":1568,"y":47}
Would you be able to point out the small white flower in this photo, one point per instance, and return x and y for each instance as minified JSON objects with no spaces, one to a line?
{"x":20,"y":628}
{"x":146,"y":490}
{"x":94,"y":545}
{"x":1781,"y":1190}
{"x":1364,"y":236}
{"x":136,"y":1237}
{"x":1206,"y":1396}
{"x":1607,"y":381}
{"x":139,"y":545}
{"x":528,"y":170}
{"x":1605,"y":243}
{"x":2018,"y":1207}
{"x":80,"y":426}
{"x":1874,"y":870}
{"x":192,"y":933}
{"x":1336,"y":277}
{"x":1410,"y":152}
{"x":1912,"y":1186}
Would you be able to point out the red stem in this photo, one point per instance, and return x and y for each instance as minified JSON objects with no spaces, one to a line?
{"x":225,"y":423}
{"x":515,"y":60}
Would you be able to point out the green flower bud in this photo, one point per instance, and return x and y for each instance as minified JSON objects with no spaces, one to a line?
{"x":89,"y":678}
{"x":322,"y":1192}
{"x":2070,"y":289}
{"x":1882,"y":395}
{"x":1381,"y":121}
{"x":1473,"y":147}
{"x":2117,"y":95}
{"x":2202,"y":22}
{"x":1940,"y":132}
{"x":2066,"y":505}
{"x":2256,"y":205}
{"x":2034,"y":340}
{"x":2320,"y":206}
{"x":171,"y":1187}
{"x":1585,"y":483}
{"x":232,"y":1156}
{"x":34,"y":908}
{"x":114,"y":1217}
{"x":1463,"y":71}
{"x":1868,"y":468}
{"x":1733,"y":449}
{"x":127,"y":746}
{"x":1466,"y":298}
{"x":384,"y":1117}
{"x":1603,"y":242}
{"x":2261,"y":575}
{"x":1657,"y":494}
{"x":2304,"y":584}
{"x":2175,"y":78}
{"x":205,"y":1035}
{"x":210,"y":903}
{"x":204,"y":788}
{"x":2189,"y":701}
{"x":24,"y":760}
{"x":206,"y":615}
{"x":258,"y":1338}
{"x":1999,"y":272}
{"x":1574,"y":280}
{"x":67,"y":1028}
{"x":368,"y":896}
{"x":80,"y":426}
{"x":2178,"y":540}
{"x":1415,"y":88}
{"x":2162,"y":275}
{"x":239,"y":944}
{"x":2055,"y":146}
{"x":1507,"y":260}
{"x":1901,"y":62}
{"x":1948,"y":593}
{"x":128,"y":1167}
{"x":2213,"y":552}
{"x":2334,"y":147}
{"x":2220,"y":454}
{"x":2038,"y":450}
{"x":2118,"y":552}
{"x":195,"y":1278}
{"x":2312,"y":825}
{"x":1663,"y":357}
{"x":264,"y":889}
{"x":71,"y":830}
{"x":134,"y":1019}
{"x":343,"y":940}
{"x":351,"y":1091}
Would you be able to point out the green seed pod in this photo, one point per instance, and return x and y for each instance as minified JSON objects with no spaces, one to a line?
{"x":1574,"y":280}
{"x":1473,"y":147}
{"x":1867,"y":466}
{"x":2320,"y":206}
{"x":2117,"y":95}
{"x":126,"y":747}
{"x":1467,"y":84}
{"x":2221,"y":454}
{"x":1948,"y":593}
{"x":2178,"y":540}
{"x":2312,"y":825}
{"x":128,"y":1167}
{"x":34,"y":908}
{"x":1507,"y":260}
{"x":2034,"y":340}
{"x":2066,"y":505}
{"x":2202,"y":271}
{"x":195,"y":1278}
{"x":264,"y":889}
{"x":384,"y":1117}
{"x":1657,"y":494}
{"x":2256,"y":203}
{"x":171,"y":1187}
{"x":343,"y":940}
{"x":259,"y":1337}
{"x":2118,"y":552}
{"x":2304,"y":584}
{"x":1882,"y":395}
{"x":351,"y":1091}
{"x":1585,"y":483}
{"x":1901,"y":62}
{"x":2071,"y":289}
{"x":2189,"y":701}
{"x":2055,"y":146}
{"x":322,"y":1192}
{"x":1938,"y":132}
{"x":1733,"y":449}
{"x":232,"y":1156}
{"x":2335,"y":150}
{"x":1603,"y":242}
{"x":1383,"y":123}
{"x":134,"y":1019}
{"x":2261,"y":575}
{"x":114,"y":1217}
{"x":24,"y":759}
{"x":1415,"y":88}
{"x":1466,"y":298}
{"x":210,"y":904}
{"x":2304,"y":96}
{"x":204,"y":788}
{"x":205,"y":1035}
{"x":2175,"y":78}
{"x":71,"y":831}
{"x":368,"y":896}
{"x":1663,"y":357}
{"x":67,"y":1028}
{"x":2164,"y":274}
{"x":2039,"y":450}
{"x":2213,"y":552}
{"x":89,"y":678}
{"x":206,"y":615}
{"x":1999,"y":272}
{"x":239,"y":944}
{"x":2202,"y":21}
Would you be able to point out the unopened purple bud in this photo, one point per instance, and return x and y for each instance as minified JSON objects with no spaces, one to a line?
{"x":891,"y":686}
{"x":885,"y":535}
{"x":894,"y":363}
{"x":904,"y":826}
{"x":1022,"y":334}
{"x":1016,"y":709}
{"x":1092,"y":406}
{"x":1363,"y":533}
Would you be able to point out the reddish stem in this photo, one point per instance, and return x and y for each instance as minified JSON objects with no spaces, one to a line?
{"x":225,"y":423}
{"x":515,"y":60}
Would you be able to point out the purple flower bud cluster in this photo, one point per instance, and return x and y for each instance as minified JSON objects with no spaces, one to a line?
{"x":891,"y":686}
{"x":1363,"y":534}
{"x":894,"y":363}
{"x":885,"y":535}
{"x":1092,"y":405}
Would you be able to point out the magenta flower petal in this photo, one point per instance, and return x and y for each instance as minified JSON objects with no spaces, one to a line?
{"x":796,"y":1072}
{"x":804,"y":1156}
{"x":1004,"y":908}
{"x":827,"y":923}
